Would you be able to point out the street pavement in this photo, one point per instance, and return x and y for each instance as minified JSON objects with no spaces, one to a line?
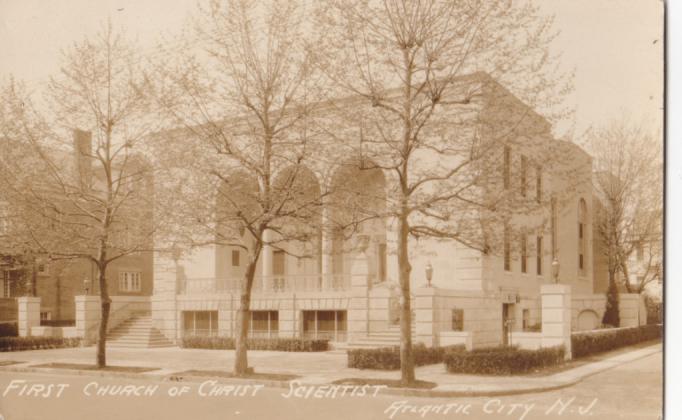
{"x":316,"y":368}
{"x":631,"y":390}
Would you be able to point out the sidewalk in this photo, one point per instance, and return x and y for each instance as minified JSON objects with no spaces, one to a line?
{"x":312,"y":368}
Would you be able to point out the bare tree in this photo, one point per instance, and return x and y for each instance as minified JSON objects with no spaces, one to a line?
{"x":96,"y":207}
{"x":425,"y":67}
{"x":628,"y":182}
{"x":241,"y":104}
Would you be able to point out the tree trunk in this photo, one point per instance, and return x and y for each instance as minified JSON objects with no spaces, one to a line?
{"x":241,"y":363}
{"x":407,"y":375}
{"x":104,"y":319}
{"x":626,"y":275}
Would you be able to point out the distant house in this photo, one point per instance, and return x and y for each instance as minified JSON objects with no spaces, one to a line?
{"x":57,"y":282}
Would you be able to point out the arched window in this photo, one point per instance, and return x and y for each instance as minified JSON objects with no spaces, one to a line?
{"x":582,"y":236}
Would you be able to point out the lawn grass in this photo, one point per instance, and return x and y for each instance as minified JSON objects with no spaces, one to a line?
{"x":227,"y":374}
{"x":84,"y":366}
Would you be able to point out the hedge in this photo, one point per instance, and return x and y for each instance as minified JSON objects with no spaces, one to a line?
{"x":502,"y":360}
{"x":36,"y":343}
{"x":597,"y":341}
{"x":388,"y":358}
{"x":272,"y":344}
{"x":8,"y":329}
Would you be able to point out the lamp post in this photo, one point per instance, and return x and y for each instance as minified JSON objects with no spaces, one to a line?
{"x":555,"y":270}
{"x":86,"y":285}
{"x":429,"y":273}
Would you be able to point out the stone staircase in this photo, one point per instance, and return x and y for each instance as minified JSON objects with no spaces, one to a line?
{"x":137,"y":332}
{"x":387,"y":338}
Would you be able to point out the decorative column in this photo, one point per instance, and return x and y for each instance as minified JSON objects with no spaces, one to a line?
{"x":358,"y":312}
{"x":327,"y":248}
{"x":556,"y":316}
{"x":88,"y":310}
{"x":424,"y":306}
{"x":169,"y":281}
{"x":29,"y":314}
{"x":266,"y":267}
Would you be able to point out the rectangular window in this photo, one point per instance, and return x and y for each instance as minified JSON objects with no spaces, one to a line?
{"x":523,"y":176}
{"x":129,"y":281}
{"x":278,"y":263}
{"x":581,"y":246}
{"x":525,"y":319}
{"x":201,"y":323}
{"x":539,"y":252}
{"x":235,"y":258}
{"x":507,"y":167}
{"x":264,"y":324}
{"x":524,"y":253}
{"x":538,"y":184}
{"x":507,"y":250}
{"x":331,"y":325}
{"x":458,"y":320}
{"x":381,"y":256}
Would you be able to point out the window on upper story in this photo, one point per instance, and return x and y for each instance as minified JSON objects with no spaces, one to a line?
{"x":524,"y":176}
{"x":538,"y":252}
{"x":507,"y":250}
{"x":235,"y":258}
{"x":458,"y":320}
{"x":524,"y":253}
{"x":507,"y":167}
{"x":278,"y":261}
{"x":538,"y":184}
{"x":582,"y":236}
{"x":129,"y":281}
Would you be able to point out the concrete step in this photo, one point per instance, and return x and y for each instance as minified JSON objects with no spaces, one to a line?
{"x":137,"y":332}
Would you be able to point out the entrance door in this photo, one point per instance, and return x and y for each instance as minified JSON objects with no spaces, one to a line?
{"x":507,"y":322}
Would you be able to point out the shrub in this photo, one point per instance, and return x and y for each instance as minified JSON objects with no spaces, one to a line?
{"x":8,"y":329}
{"x":611,"y":313}
{"x":590,"y":342}
{"x":654,"y":310}
{"x":272,"y":344}
{"x":388,"y":358}
{"x":502,"y":360}
{"x":36,"y":343}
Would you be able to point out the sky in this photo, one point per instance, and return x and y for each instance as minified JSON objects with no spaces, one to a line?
{"x":614,"y":46}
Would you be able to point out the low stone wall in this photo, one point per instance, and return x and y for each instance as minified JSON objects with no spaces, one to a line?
{"x":453,"y":338}
{"x":588,"y":309}
{"x":482,"y":316}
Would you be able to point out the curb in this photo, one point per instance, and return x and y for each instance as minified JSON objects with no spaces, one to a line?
{"x":407,"y":392}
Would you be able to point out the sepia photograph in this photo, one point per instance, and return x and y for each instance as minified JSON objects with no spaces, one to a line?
{"x":306,"y":209}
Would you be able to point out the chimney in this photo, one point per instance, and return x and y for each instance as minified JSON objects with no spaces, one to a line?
{"x":82,"y":148}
